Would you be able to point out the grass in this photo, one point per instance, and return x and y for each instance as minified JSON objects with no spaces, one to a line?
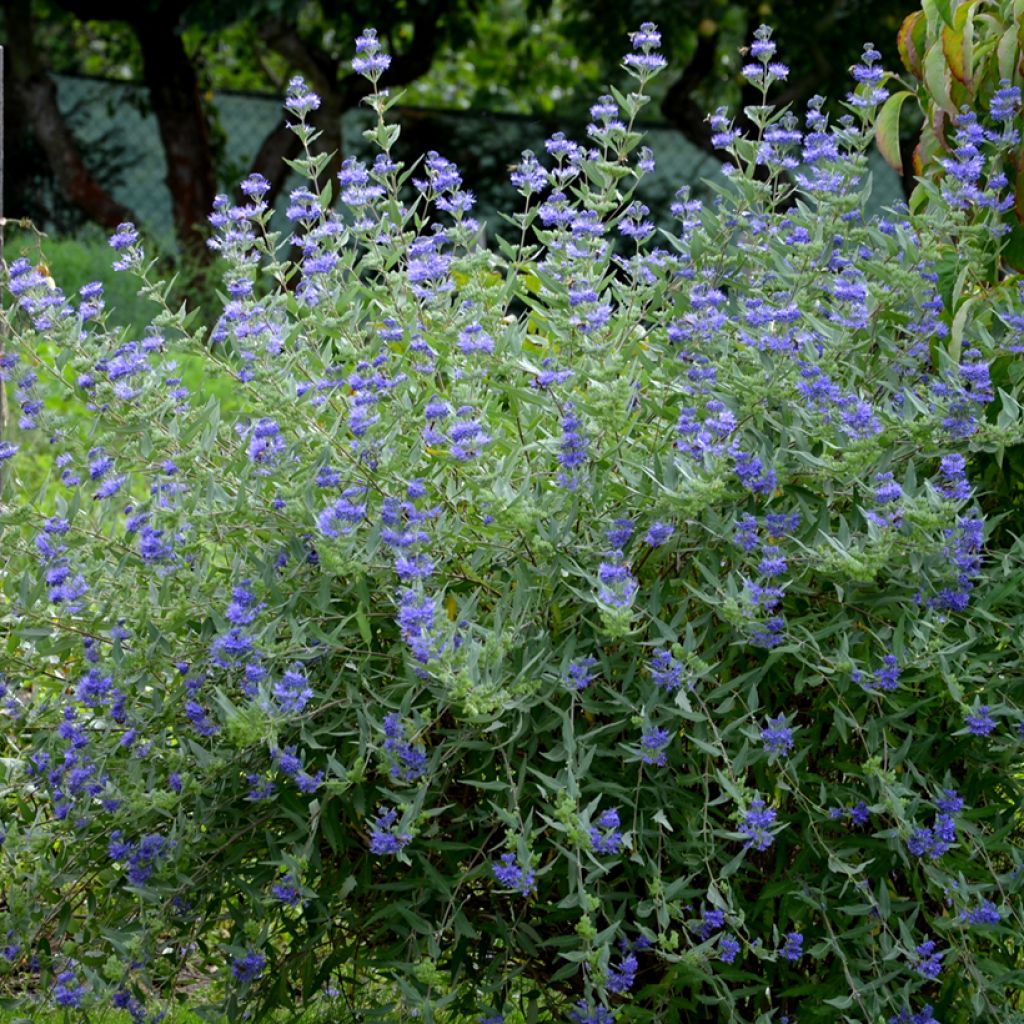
{"x":174,"y":1016}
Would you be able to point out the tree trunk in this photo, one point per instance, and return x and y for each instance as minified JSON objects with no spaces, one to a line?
{"x":174,"y":95}
{"x":38,"y":96}
{"x":679,"y":105}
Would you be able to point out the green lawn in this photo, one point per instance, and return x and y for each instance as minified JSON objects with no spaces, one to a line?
{"x":174,"y":1016}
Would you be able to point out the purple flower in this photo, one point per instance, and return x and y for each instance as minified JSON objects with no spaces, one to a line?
{"x":344,"y":515}
{"x":935,"y":841}
{"x":659,"y":533}
{"x":745,"y":534}
{"x":408,"y":759}
{"x":618,"y":586}
{"x":928,"y":960}
{"x":956,"y":486}
{"x":622,"y":975}
{"x":249,"y":967}
{"x":777,"y":737}
{"x":301,"y":100}
{"x":266,"y":443}
{"x":109,"y":487}
{"x":585,"y":1013}
{"x":417,"y":618}
{"x":528,"y":176}
{"x":287,"y":891}
{"x":572,"y":449}
{"x":579,"y":674}
{"x":753,"y":474}
{"x":773,"y":561}
{"x":66,"y":990}
{"x":255,"y":185}
{"x":125,"y":236}
{"x":923,"y":1016}
{"x":619,"y":533}
{"x":605,"y":837}
{"x":728,"y":948}
{"x":951,"y":802}
{"x":712,"y":921}
{"x":756,"y":824}
{"x":884,"y":678}
{"x":509,"y":873}
{"x":243,"y":608}
{"x":652,"y":746}
{"x":370,"y":61}
{"x":293,"y":692}
{"x":859,"y":813}
{"x":644,"y":61}
{"x":666,"y":672}
{"x":981,"y":723}
{"x":259,"y":788}
{"x":793,"y":948}
{"x":384,"y":839}
{"x":1005,"y":102}
{"x":985,"y":913}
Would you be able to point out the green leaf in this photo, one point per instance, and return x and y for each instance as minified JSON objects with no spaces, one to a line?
{"x":938,"y":10}
{"x":937,"y":78}
{"x":1008,"y":53}
{"x":956,"y":331}
{"x":887,"y":129}
{"x":1013,"y":248}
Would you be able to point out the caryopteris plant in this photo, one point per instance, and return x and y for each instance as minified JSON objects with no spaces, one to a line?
{"x":594,"y":627}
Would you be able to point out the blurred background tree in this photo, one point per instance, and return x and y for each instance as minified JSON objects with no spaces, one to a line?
{"x":543,"y":59}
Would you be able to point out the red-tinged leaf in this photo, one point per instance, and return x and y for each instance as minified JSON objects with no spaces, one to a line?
{"x":937,"y":141}
{"x":928,"y":147}
{"x":958,"y":43}
{"x":887,"y":129}
{"x":953,"y":50}
{"x":959,"y":94}
{"x":919,"y":159}
{"x":911,"y":42}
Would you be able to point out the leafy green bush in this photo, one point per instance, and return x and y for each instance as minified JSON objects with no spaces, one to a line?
{"x":600,"y":627}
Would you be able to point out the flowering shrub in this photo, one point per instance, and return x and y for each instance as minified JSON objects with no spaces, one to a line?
{"x":600,"y":626}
